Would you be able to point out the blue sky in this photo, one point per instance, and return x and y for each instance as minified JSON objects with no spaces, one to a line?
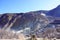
{"x":17,"y":6}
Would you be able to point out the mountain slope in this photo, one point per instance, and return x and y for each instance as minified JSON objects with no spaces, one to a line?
{"x":54,"y":12}
{"x":19,"y":21}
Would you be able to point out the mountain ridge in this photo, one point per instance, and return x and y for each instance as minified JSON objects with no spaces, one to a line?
{"x":54,"y":12}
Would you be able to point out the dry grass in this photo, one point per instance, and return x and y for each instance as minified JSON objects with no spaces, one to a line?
{"x":6,"y":35}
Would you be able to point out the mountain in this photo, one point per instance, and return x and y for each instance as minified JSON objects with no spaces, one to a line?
{"x":19,"y":21}
{"x":54,"y":12}
{"x":29,"y":22}
{"x":26,"y":23}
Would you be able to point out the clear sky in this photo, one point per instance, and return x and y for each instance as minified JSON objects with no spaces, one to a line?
{"x":17,"y":6}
